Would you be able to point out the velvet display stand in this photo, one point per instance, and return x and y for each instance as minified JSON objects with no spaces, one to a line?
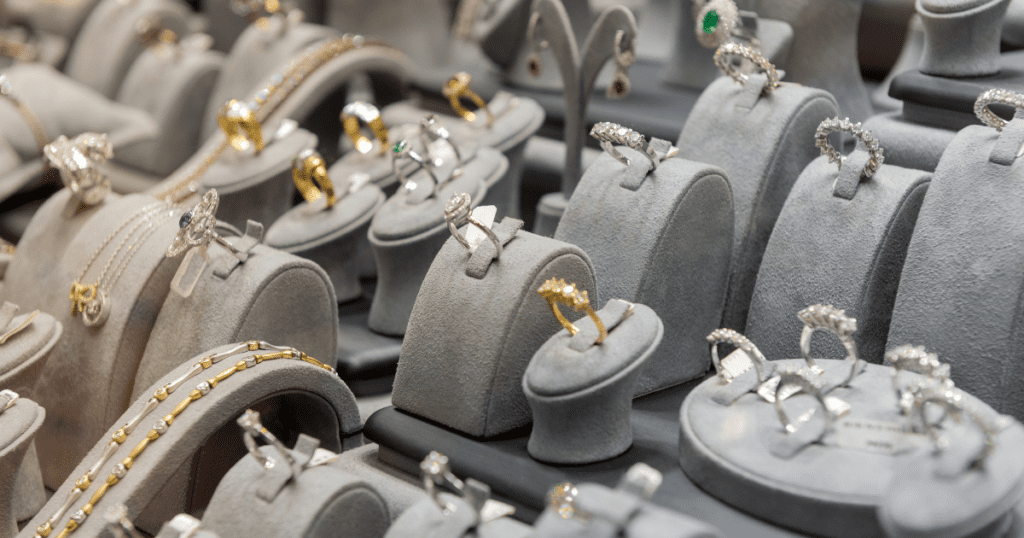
{"x":425,"y":518}
{"x":21,"y":489}
{"x":178,"y":471}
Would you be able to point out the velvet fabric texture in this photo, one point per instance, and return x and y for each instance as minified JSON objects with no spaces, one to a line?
{"x":21,"y":489}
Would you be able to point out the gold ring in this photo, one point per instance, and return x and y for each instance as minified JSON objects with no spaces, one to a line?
{"x":358,"y":111}
{"x":555,"y":291}
{"x":239,"y":123}
{"x":309,"y":171}
{"x":456,"y":88}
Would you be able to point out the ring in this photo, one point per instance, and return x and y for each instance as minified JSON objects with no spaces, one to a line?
{"x":403,"y":149}
{"x":196,"y":227}
{"x":358,"y":111}
{"x":996,"y":95}
{"x":7,"y":399}
{"x":612,"y":133}
{"x":915,"y":359}
{"x":835,"y":124}
{"x":435,"y":472}
{"x":953,"y":402}
{"x":829,"y":318}
{"x":802,"y":380}
{"x":252,"y":428}
{"x":433,"y":131}
{"x":562,"y":498}
{"x":722,"y":60}
{"x":555,"y":291}
{"x":78,"y":162}
{"x":716,"y":21}
{"x":729,"y":336}
{"x":309,"y":171}
{"x":458,"y":212}
{"x":26,"y":113}
{"x":239,"y":123}
{"x":458,"y":87}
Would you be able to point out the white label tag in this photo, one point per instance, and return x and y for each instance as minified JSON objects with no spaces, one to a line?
{"x":191,"y":268}
{"x":875,"y":436}
{"x":485,"y":215}
{"x":321,"y":456}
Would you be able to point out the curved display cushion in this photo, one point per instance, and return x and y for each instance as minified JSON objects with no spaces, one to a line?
{"x":22,"y":357}
{"x":663,"y":239}
{"x":825,"y":489}
{"x":63,"y":19}
{"x":827,"y":249}
{"x":321,"y":501}
{"x":108,"y":43}
{"x":776,"y":133}
{"x":21,"y":488}
{"x":962,"y":36}
{"x":178,"y":471}
{"x":909,"y":144}
{"x":402,"y":23}
{"x":475,"y":326}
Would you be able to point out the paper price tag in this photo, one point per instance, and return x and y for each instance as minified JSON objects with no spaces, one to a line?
{"x":485,"y":215}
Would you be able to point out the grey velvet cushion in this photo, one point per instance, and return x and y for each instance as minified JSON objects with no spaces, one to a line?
{"x":961,"y":36}
{"x":21,"y":487}
{"x":910,"y":144}
{"x":663,"y":239}
{"x":762,"y":143}
{"x":830,"y":249}
{"x":24,"y":354}
{"x":476,"y":324}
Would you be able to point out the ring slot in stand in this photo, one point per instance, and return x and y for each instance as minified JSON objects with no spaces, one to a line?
{"x":960,"y":283}
{"x":175,"y":469}
{"x":260,"y":186}
{"x":409,"y":230}
{"x":474,"y":384}
{"x":762,"y":174}
{"x":21,"y":491}
{"x":840,"y":239}
{"x":663,"y":239}
{"x":581,"y":393}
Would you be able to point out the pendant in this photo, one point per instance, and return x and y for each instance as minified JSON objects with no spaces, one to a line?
{"x":81,"y":295}
{"x":96,"y":312}
{"x":619,"y":88}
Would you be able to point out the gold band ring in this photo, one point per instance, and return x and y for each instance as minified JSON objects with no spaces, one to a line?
{"x":457,"y":88}
{"x":358,"y":111}
{"x":555,"y":291}
{"x":309,"y":171}
{"x":239,"y":123}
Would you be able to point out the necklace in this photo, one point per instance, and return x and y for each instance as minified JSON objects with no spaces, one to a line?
{"x":161,"y":426}
{"x":181,"y":185}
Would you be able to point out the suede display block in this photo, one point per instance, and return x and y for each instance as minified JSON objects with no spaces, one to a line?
{"x":606,"y":512}
{"x":844,"y":249}
{"x":399,"y":489}
{"x":257,"y":187}
{"x":176,"y":473}
{"x":958,"y":294}
{"x":426,"y":520}
{"x":108,"y":42}
{"x":86,"y":382}
{"x":173,"y":86}
{"x":254,"y":57}
{"x":23,"y":356}
{"x":330,"y":237}
{"x":824,"y":49}
{"x":662,"y":239}
{"x":822,"y":489}
{"x":961,"y":37}
{"x":407,"y":232}
{"x":907,"y":143}
{"x":729,"y":116}
{"x":317,"y":502}
{"x":581,"y":393}
{"x":474,"y":383}
{"x":62,"y":107}
{"x":21,"y":489}
{"x":272,"y":296}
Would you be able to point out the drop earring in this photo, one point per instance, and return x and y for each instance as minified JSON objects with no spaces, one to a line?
{"x":533,"y":61}
{"x":624,"y":58}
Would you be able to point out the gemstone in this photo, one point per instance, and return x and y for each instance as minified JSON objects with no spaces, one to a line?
{"x":203,"y":388}
{"x":400,"y":146}
{"x":237,"y":109}
{"x":78,"y":517}
{"x":434,"y":464}
{"x":119,"y":471}
{"x":710,"y":22}
{"x":160,"y":427}
{"x":185,"y":219}
{"x":563,"y":499}
{"x":262,"y":95}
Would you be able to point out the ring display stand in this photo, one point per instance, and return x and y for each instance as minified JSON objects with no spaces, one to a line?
{"x":22,"y":492}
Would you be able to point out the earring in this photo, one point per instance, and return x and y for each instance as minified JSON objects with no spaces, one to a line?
{"x":624,"y":58}
{"x":533,"y":61}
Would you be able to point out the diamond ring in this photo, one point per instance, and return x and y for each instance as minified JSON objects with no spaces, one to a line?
{"x":829,"y":318}
{"x":457,"y":88}
{"x":794,"y":379}
{"x":251,"y":429}
{"x":612,"y":133}
{"x":870,"y":143}
{"x":556,"y":291}
{"x":78,"y":161}
{"x":197,"y":227}
{"x":458,"y":212}
{"x":729,"y":336}
{"x":915,"y":359}
{"x":723,"y":59}
{"x":358,"y":111}
{"x":993,"y":96}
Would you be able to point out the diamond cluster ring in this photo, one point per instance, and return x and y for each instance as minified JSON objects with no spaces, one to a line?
{"x":556,"y":291}
{"x":996,"y":96}
{"x":197,"y":227}
{"x":833,"y":125}
{"x":78,"y":161}
{"x":610,"y":134}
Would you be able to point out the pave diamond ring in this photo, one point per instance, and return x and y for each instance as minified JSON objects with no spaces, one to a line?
{"x":833,"y":125}
{"x":458,"y":212}
{"x":729,"y":336}
{"x":1000,"y":96}
{"x":197,"y":227}
{"x":723,"y":60}
{"x":78,"y":161}
{"x":803,"y":380}
{"x":829,"y":318}
{"x":915,"y":359}
{"x":610,"y":134}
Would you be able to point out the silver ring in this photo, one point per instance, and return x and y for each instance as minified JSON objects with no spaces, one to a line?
{"x":7,"y":399}
{"x":835,"y":124}
{"x":988,"y":97}
{"x":722,"y":60}
{"x":803,"y":380}
{"x":436,"y":471}
{"x":608,"y":134}
{"x":457,"y":212}
{"x":829,"y":318}
{"x":197,"y":227}
{"x":955,"y":404}
{"x":252,"y":428}
{"x":433,"y":130}
{"x":729,"y":336}
{"x":402,"y":150}
{"x":915,"y":359}
{"x":728,"y":17}
{"x":78,"y":161}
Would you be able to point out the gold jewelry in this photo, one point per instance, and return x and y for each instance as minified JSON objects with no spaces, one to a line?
{"x":358,"y":111}
{"x":457,"y":88}
{"x":78,"y":161}
{"x":533,"y":63}
{"x":20,"y":327}
{"x":555,"y":291}
{"x":309,"y":171}
{"x":26,"y":113}
{"x":624,"y":58}
{"x":184,"y":183}
{"x":239,"y":123}
{"x":161,"y":426}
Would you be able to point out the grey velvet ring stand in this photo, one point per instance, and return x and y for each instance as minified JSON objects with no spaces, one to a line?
{"x":21,"y":491}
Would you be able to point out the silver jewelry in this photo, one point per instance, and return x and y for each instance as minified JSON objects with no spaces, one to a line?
{"x":728,"y":371}
{"x":829,"y":318}
{"x":723,"y":60}
{"x":457,"y":212}
{"x":436,"y":472}
{"x":402,"y":150}
{"x":562,"y":497}
{"x":533,"y":62}
{"x":253,"y":428}
{"x":802,"y":380}
{"x":7,"y":399}
{"x":197,"y":227}
{"x":835,"y":124}
{"x":118,"y":523}
{"x":952,"y":400}
{"x":78,"y":161}
{"x":728,"y":18}
{"x":1000,"y":96}
{"x":612,"y":133}
{"x":432,"y":129}
{"x":915,"y":359}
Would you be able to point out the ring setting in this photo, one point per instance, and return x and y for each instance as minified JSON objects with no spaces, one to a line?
{"x":78,"y":161}
{"x":458,"y":212}
{"x":556,"y":291}
{"x":197,"y":227}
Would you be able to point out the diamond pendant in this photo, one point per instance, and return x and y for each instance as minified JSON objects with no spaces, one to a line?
{"x":96,"y":311}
